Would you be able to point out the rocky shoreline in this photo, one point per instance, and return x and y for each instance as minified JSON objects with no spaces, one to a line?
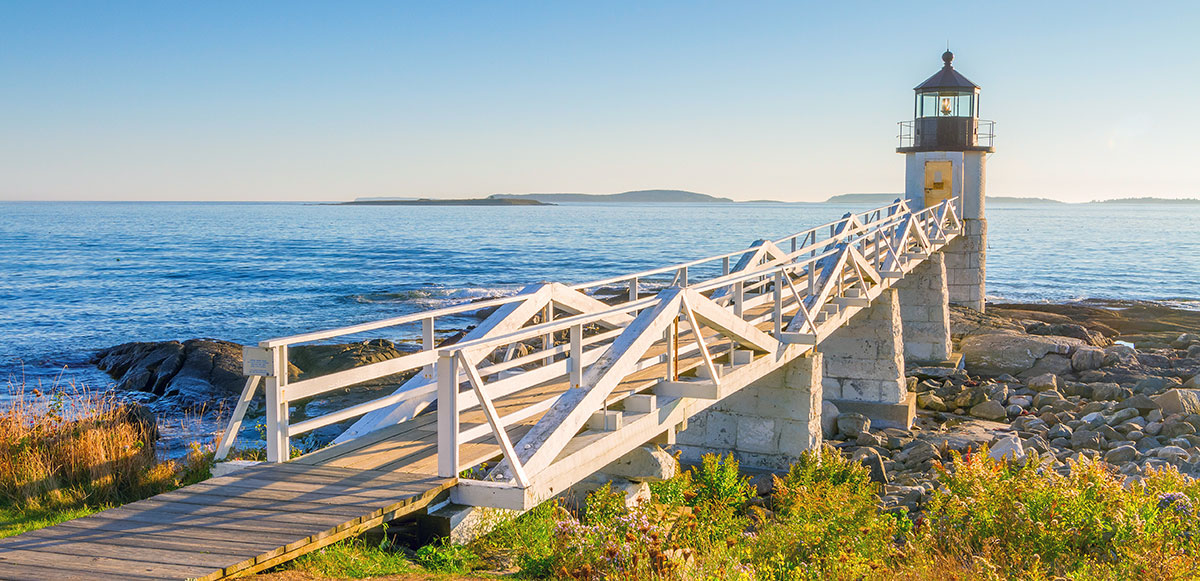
{"x":1062,"y":383}
{"x":1114,"y":381}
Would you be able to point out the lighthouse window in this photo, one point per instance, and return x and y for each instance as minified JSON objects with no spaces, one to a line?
{"x":945,"y":104}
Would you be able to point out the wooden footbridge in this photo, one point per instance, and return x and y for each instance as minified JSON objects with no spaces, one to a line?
{"x":555,"y":384}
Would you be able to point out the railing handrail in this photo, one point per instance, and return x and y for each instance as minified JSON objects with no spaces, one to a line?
{"x":871,"y":232}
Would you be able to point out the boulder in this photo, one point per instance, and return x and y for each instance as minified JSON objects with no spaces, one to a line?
{"x":1087,"y":358}
{"x":1043,"y":382}
{"x":1119,"y":355}
{"x":644,"y":464}
{"x":851,"y":424}
{"x":189,"y":375}
{"x":1085,"y":439}
{"x":1105,"y":391}
{"x":1179,"y":401}
{"x":990,"y":410}
{"x":1060,"y":431}
{"x":829,"y":416}
{"x":1121,"y":454}
{"x":1185,"y":340}
{"x":1008,"y":448}
{"x":1015,"y":354}
{"x":930,"y":401}
{"x":873,"y":462}
{"x":1174,"y":429}
{"x":1068,"y":330}
{"x":1140,"y":402}
{"x":1154,"y":384}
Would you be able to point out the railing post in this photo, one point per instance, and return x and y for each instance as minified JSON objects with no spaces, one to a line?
{"x":778,"y":288}
{"x":725,"y":266}
{"x":576,"y":360}
{"x":427,"y":344}
{"x":548,"y":338}
{"x":633,"y":289}
{"x":278,"y":443}
{"x":447,"y":416}
{"x":739,"y":296}
{"x":683,"y":277}
{"x":672,"y":335}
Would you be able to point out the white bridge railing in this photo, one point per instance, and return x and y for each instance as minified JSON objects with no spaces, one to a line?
{"x":574,"y":357}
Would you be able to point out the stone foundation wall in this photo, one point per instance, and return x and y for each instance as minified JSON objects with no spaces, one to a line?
{"x":767,"y":425}
{"x":925,"y":312}
{"x":864,"y":360}
{"x":966,"y":265}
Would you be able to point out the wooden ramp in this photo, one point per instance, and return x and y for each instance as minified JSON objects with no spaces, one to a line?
{"x":238,"y":524}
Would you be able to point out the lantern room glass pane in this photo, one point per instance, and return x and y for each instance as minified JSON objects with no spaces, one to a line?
{"x":945,"y":104}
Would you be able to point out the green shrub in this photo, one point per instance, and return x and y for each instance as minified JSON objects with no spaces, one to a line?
{"x":443,"y":556}
{"x":827,"y":523}
{"x":1033,"y":522}
{"x":719,"y":481}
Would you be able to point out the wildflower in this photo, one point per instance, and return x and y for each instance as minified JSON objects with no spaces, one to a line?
{"x":1176,"y":501}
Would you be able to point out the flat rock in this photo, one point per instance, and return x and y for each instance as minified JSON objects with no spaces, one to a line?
{"x":1013,"y":353}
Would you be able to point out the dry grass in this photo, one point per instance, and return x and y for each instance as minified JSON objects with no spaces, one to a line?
{"x":68,"y":448}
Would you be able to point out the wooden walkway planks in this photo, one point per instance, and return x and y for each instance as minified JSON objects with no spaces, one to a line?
{"x":236,"y":524}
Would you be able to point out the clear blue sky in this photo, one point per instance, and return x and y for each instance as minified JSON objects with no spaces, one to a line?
{"x":788,"y":100}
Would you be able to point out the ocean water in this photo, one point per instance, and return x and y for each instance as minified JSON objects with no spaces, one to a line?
{"x":76,"y":277}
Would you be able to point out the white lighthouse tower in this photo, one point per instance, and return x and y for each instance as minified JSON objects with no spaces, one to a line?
{"x":945,"y":148}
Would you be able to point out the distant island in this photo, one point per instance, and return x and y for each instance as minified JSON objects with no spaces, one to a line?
{"x":443,"y":202}
{"x":634,"y":197}
{"x":1148,"y":201}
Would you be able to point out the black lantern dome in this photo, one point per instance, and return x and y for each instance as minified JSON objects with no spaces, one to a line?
{"x":945,"y":114}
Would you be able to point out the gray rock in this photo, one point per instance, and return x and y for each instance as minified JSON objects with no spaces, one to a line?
{"x":930,"y":401}
{"x":873,"y":462}
{"x":1051,"y":363}
{"x":1012,"y":353}
{"x":1046,"y":398}
{"x":1085,"y":439}
{"x":1140,"y":402}
{"x":1105,"y":391}
{"x":1185,"y":340}
{"x":1171,"y":453}
{"x":1043,"y":382}
{"x":1119,"y":355}
{"x":989,"y":410}
{"x":917,"y":453}
{"x":1060,"y":431}
{"x":1008,"y":448}
{"x":1153,"y":428}
{"x":866,"y":438}
{"x":851,"y":424}
{"x":1087,"y":358}
{"x":644,"y":464}
{"x":1179,"y":401}
{"x":1014,"y":410}
{"x":1020,"y":400}
{"x":1193,"y":352}
{"x":1121,"y":454}
{"x":829,"y":416}
{"x":1153,"y":385}
{"x":1123,"y":415}
{"x":1176,"y":429}
{"x":1193,"y":383}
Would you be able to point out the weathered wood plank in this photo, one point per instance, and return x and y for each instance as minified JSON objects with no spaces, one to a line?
{"x":104,"y":565}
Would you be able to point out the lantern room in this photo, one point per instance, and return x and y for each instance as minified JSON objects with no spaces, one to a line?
{"x":946,"y":115}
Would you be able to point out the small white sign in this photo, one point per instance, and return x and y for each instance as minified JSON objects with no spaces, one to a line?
{"x":257,"y":361}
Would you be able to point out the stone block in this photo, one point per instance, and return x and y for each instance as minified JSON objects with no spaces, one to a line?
{"x":757,"y":435}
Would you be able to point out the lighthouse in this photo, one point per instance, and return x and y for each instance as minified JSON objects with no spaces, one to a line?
{"x":945,"y":148}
